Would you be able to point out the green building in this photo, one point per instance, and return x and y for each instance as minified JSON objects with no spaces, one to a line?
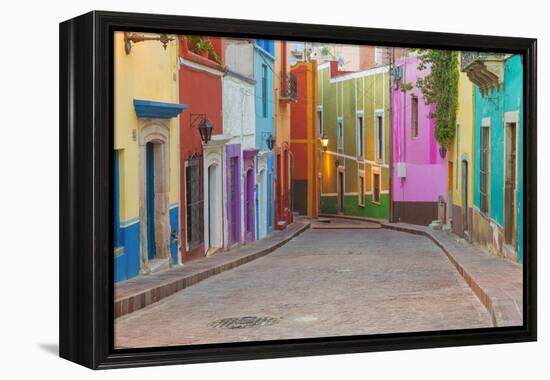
{"x":353,"y":113}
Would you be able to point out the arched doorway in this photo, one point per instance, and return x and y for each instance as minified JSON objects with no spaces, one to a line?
{"x":213,"y":190}
{"x":154,"y":162}
{"x":262,"y":204}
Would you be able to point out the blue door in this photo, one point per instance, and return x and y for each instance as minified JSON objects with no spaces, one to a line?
{"x":150,"y":178}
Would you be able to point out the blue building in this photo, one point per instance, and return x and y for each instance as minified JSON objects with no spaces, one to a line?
{"x":264,"y":59}
{"x":498,"y":151}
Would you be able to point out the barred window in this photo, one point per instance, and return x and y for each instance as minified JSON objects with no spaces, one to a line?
{"x":194,"y":203}
{"x":414,"y":116}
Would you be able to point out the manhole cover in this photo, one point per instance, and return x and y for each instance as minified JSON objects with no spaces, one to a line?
{"x":243,"y":322}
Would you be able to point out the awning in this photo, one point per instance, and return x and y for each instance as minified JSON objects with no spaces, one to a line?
{"x":148,"y":109}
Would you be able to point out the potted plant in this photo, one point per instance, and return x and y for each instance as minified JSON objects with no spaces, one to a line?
{"x":203,"y":47}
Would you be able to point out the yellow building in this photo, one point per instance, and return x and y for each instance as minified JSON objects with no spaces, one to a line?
{"x":460,"y":156}
{"x":146,"y":153}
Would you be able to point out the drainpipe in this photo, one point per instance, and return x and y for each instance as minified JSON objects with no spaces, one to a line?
{"x":291,"y":184}
{"x":390,"y":216}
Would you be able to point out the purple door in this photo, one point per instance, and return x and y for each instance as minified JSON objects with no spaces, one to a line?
{"x":249,"y":205}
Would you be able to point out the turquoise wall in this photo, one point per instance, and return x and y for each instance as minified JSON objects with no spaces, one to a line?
{"x":263,"y":55}
{"x":509,"y":98}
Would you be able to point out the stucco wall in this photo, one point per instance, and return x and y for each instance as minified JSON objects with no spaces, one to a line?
{"x":239,"y":119}
{"x":425,"y":169}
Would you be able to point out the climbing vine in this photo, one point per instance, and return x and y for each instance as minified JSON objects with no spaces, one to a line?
{"x":440,"y":87}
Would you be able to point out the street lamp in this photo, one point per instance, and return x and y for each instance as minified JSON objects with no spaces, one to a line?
{"x":324,"y":142}
{"x":204,"y":125}
{"x":270,"y":141}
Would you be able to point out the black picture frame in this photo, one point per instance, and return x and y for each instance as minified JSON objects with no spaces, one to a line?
{"x":86,"y":154}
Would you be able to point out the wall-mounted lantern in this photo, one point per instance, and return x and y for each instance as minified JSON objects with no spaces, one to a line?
{"x":324,"y":142}
{"x":270,"y":141}
{"x":204,"y":126}
{"x":130,"y":38}
{"x":442,"y":151}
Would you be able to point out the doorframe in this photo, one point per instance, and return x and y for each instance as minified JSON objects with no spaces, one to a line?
{"x":214,"y":153}
{"x":156,"y":131}
{"x":511,"y":117}
{"x":340,"y":187}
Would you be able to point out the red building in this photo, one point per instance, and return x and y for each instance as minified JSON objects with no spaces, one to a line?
{"x":200,"y":87}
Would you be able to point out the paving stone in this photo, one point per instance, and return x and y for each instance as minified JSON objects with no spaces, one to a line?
{"x":322,"y":283}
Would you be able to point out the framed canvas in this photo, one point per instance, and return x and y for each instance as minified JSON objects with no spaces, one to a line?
{"x":238,"y":189}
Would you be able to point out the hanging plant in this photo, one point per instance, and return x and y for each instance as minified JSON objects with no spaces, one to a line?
{"x":440,"y":87}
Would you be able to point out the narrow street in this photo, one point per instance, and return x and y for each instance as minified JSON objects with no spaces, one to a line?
{"x":324,"y":282}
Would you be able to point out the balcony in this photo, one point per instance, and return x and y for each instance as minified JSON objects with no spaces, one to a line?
{"x":486,"y":70}
{"x":289,"y":89}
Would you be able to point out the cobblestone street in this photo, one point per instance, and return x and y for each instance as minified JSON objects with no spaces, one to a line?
{"x":324,"y":282}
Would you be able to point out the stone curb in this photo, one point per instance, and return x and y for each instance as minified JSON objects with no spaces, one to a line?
{"x":139,"y":300}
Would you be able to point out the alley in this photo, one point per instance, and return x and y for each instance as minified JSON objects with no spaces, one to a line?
{"x":322,"y":283}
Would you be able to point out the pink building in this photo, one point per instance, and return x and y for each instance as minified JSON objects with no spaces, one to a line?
{"x":419,"y":171}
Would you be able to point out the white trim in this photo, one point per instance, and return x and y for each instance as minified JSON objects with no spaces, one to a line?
{"x":360,"y":143}
{"x":486,"y":122}
{"x":360,"y":74}
{"x":511,"y":117}
{"x":320,"y":121}
{"x":324,"y":65}
{"x":129,"y":222}
{"x":352,"y":193}
{"x":370,"y":162}
{"x":198,"y":66}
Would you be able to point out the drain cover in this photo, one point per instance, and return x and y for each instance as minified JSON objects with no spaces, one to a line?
{"x":243,"y":322}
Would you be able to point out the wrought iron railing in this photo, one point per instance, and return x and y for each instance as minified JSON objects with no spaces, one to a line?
{"x":289,"y":88}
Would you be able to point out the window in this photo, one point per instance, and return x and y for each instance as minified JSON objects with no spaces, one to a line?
{"x":378,"y":55}
{"x":340,"y":132}
{"x":194,"y":203}
{"x":360,"y":136}
{"x":379,"y":130}
{"x":376,"y":188}
{"x":414,"y":116}
{"x":361,"y":195}
{"x":264,"y":90}
{"x":484,"y":169}
{"x":320,"y":120}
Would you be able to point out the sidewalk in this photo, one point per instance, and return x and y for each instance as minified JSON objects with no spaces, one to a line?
{"x":143,"y":291}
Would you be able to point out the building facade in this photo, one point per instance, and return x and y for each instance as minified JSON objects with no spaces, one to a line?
{"x":497,"y":220}
{"x":146,"y":157}
{"x":201,"y":171}
{"x":264,"y":66}
{"x":419,"y":171}
{"x":304,"y":141}
{"x":240,"y":124}
{"x":352,"y":113}
{"x":460,"y":163}
{"x":284,"y":95}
